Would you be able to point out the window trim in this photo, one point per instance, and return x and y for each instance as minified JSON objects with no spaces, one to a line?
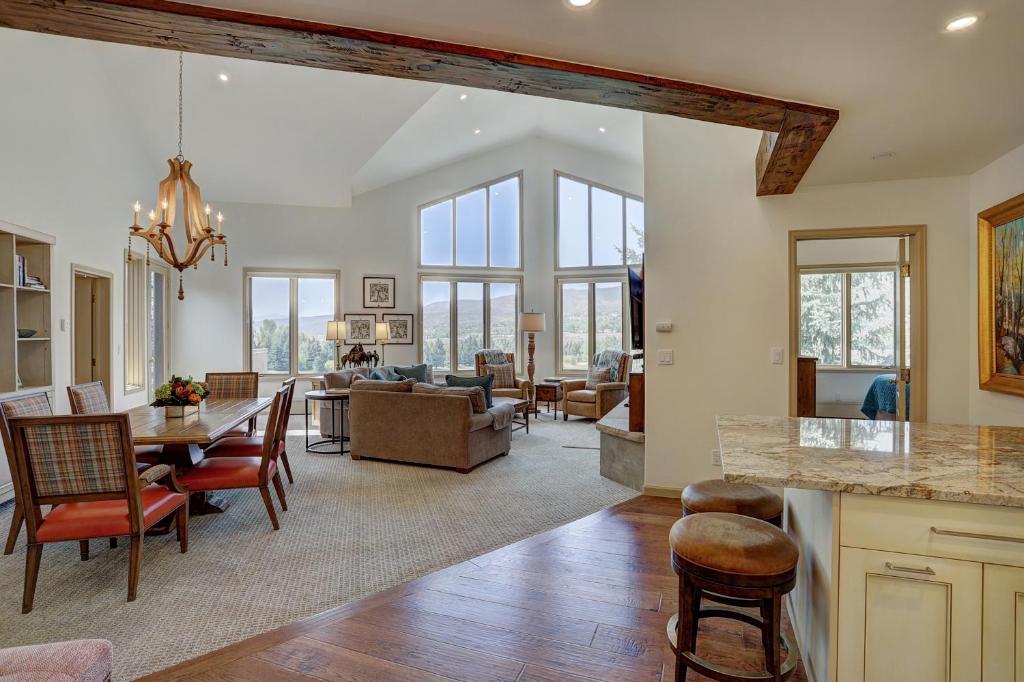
{"x":846,"y":326}
{"x":455,"y":230}
{"x":590,"y":225}
{"x":454,"y":279}
{"x":591,"y":331}
{"x":293,"y":275}
{"x":146,"y":312}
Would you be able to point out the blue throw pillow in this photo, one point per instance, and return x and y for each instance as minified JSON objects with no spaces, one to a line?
{"x":417,"y":372}
{"x":484,"y":382}
{"x":385,"y":374}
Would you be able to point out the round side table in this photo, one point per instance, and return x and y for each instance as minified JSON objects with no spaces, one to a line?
{"x":337,"y":430}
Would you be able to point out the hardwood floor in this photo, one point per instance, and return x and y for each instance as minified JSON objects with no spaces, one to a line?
{"x":586,"y":601}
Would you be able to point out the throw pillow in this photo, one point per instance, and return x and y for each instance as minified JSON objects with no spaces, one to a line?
{"x":504,"y":375}
{"x":385,"y":374}
{"x":484,"y":382}
{"x":430,"y":389}
{"x":417,"y":372}
{"x":390,"y":386}
{"x":475,"y":395}
{"x":598,"y":375}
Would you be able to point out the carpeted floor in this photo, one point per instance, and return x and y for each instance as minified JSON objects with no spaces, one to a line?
{"x":353,"y":528}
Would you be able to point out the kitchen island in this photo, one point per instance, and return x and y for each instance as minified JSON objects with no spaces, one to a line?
{"x":911,"y":539}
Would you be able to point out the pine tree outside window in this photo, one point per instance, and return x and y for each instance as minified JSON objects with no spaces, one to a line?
{"x":848,"y":317}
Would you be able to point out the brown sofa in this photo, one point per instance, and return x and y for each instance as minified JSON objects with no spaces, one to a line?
{"x":394,"y":423}
{"x":523,"y":389}
{"x":580,"y":402}
{"x":343,"y":379}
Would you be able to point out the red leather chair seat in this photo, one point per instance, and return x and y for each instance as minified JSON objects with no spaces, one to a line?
{"x":240,"y":447}
{"x":84,"y":520}
{"x":224,"y":473}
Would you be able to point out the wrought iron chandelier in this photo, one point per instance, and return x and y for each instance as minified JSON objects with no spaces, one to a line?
{"x":199,"y":234}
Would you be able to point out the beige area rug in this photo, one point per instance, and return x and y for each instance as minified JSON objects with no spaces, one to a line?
{"x":353,"y":528}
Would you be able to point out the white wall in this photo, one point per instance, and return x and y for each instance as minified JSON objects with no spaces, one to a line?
{"x":70,"y":167}
{"x":1001,"y":180}
{"x":379,"y":235}
{"x":717,"y":267}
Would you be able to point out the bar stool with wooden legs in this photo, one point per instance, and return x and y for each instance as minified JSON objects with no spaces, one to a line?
{"x":745,"y":499}
{"x":741,"y":558}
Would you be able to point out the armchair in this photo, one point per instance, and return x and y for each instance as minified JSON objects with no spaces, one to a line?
{"x":579,"y":401}
{"x":523,"y":388}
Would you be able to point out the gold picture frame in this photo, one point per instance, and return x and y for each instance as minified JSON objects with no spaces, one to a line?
{"x":1000,"y":298}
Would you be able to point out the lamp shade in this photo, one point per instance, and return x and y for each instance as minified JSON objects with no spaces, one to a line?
{"x":382,"y":332}
{"x":532,"y":322}
{"x":335,"y":330}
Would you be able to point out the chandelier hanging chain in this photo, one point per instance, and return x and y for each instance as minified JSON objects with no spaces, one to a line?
{"x":181,"y":108}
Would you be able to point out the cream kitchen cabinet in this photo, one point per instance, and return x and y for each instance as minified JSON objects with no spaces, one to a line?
{"x":1003,"y":628}
{"x":909,"y":618}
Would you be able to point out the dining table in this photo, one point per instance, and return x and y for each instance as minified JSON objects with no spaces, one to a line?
{"x":184,"y":438}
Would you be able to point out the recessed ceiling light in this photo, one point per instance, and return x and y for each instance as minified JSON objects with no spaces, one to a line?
{"x":224,"y":77}
{"x":463,"y":97}
{"x":602,"y":129}
{"x":883,"y":156}
{"x":961,"y":23}
{"x":476,"y":132}
{"x":579,"y":4}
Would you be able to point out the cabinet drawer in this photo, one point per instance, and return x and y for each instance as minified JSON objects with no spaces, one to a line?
{"x":955,"y":530}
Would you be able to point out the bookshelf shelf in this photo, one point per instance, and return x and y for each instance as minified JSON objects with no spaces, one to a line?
{"x":26,"y":256}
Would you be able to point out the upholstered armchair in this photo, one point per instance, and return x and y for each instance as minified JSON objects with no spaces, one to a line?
{"x":578,"y":401}
{"x":523,"y":388}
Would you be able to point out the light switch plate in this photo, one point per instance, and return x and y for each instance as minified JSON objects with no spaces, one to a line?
{"x":716,"y":458}
{"x":666,"y":357}
{"x":776,"y":356}
{"x":663,"y":327}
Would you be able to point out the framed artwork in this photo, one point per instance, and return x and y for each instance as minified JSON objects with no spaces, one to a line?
{"x":400,"y":329}
{"x":1001,"y":297}
{"x":360,"y":329}
{"x":378,"y":292}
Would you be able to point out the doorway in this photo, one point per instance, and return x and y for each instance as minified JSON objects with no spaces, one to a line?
{"x":91,"y":331}
{"x":858,"y":347}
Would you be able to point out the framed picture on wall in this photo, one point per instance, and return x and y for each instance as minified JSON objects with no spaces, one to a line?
{"x":378,"y":292}
{"x":1001,"y":297}
{"x":400,"y":329}
{"x":360,"y":329}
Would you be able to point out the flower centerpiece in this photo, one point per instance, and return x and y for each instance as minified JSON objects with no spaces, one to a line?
{"x":180,"y":396}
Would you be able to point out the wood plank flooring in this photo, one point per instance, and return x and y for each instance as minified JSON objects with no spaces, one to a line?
{"x":586,"y":601}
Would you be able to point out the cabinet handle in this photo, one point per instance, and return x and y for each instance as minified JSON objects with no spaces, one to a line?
{"x":977,"y":536}
{"x":927,"y":570}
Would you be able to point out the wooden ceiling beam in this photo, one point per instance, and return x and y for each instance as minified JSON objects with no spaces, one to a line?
{"x":797,"y":130}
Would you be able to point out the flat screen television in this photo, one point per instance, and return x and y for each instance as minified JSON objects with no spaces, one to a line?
{"x":636,"y":307}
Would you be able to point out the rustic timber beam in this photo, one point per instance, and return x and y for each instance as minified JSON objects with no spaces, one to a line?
{"x":798,"y":130}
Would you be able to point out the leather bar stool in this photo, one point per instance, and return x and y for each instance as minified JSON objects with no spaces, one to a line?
{"x":746,"y":499}
{"x":743,"y":558}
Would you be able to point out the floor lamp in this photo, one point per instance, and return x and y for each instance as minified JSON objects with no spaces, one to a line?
{"x":531,"y":323}
{"x":383,"y":336}
{"x":336,"y":333}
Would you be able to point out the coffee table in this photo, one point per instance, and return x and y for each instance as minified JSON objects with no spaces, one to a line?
{"x":330,"y":396}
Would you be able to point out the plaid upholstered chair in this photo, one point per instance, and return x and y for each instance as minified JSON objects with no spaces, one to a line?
{"x":594,"y":397}
{"x":241,"y":470}
{"x":91,"y":398}
{"x":506,"y":383}
{"x":253,"y":446}
{"x":32,"y":405}
{"x":84,"y":465}
{"x":228,"y":385}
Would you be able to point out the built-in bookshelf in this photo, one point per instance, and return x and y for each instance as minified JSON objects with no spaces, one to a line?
{"x":26,"y":261}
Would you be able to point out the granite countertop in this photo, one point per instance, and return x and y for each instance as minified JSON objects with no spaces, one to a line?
{"x":616,"y":423}
{"x":977,"y":464}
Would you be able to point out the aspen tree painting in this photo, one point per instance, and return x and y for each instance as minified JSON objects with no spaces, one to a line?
{"x":1001,"y":297}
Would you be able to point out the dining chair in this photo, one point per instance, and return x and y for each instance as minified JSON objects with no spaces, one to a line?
{"x":237,"y":385}
{"x":91,"y":398}
{"x":30,"y":405}
{"x":84,"y":465}
{"x":253,"y":446}
{"x":237,"y":471}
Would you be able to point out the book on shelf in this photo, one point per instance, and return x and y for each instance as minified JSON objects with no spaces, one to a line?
{"x":19,"y":277}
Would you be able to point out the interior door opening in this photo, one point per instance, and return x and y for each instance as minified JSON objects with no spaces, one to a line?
{"x":857,"y":323}
{"x":90,"y":326}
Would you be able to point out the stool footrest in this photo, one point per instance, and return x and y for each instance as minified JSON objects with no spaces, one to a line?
{"x":717,"y":672}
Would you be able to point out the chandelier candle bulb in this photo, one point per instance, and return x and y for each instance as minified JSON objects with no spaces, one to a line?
{"x":207,"y":212}
{"x":163,"y":211}
{"x":220,"y":222}
{"x":138,"y":209}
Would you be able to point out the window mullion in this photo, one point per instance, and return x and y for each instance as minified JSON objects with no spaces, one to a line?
{"x":487,"y":225}
{"x":293,"y":324}
{"x":453,"y":339}
{"x":487,"y":315}
{"x":625,"y":259}
{"x":592,"y":315}
{"x":455,"y":230}
{"x":848,"y":327}
{"x":590,"y":226}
